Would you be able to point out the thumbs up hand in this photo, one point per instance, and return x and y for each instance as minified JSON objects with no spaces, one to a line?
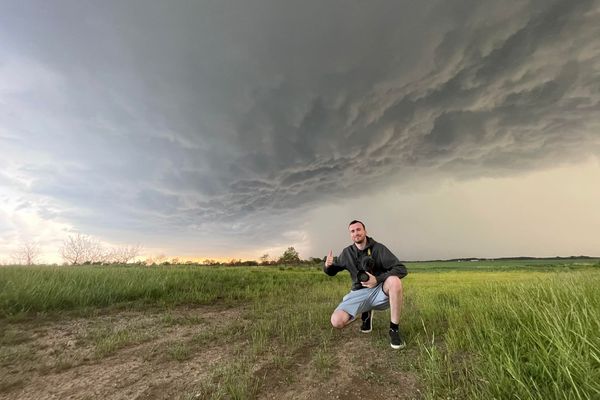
{"x":329,"y":259}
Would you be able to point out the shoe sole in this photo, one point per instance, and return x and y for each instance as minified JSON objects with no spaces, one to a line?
{"x":371,"y":327}
{"x":398,"y":346}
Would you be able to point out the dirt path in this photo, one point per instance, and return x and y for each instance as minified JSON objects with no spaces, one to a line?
{"x":173,"y":355}
{"x":358,"y":371}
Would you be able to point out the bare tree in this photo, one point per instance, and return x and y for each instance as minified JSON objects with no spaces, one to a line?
{"x":80,"y":248}
{"x":129,"y":253}
{"x":97,"y":254}
{"x":28,"y":253}
{"x":122,"y":255}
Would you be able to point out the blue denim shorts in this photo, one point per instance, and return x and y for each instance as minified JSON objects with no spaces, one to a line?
{"x":358,"y":301}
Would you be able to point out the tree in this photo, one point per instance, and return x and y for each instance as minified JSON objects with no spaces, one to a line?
{"x":83,"y":249}
{"x":27,"y":254}
{"x":290,"y":256}
{"x":159,"y":259}
{"x":79,"y":249}
{"x":122,"y":255}
{"x":264,"y":259}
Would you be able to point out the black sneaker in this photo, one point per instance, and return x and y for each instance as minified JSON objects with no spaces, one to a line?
{"x":396,"y":340}
{"x":367,"y":322}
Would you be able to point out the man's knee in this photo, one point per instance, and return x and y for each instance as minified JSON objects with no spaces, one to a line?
{"x":339,"y":319}
{"x":393,"y":284}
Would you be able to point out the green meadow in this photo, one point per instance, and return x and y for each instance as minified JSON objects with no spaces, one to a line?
{"x":506,"y":329}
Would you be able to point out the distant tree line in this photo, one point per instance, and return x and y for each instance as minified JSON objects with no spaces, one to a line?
{"x":79,"y":249}
{"x":289,"y":257}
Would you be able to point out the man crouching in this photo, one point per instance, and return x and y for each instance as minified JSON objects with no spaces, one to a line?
{"x":376,"y":283}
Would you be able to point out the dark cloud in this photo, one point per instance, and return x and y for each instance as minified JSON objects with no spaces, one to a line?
{"x":197,"y":114}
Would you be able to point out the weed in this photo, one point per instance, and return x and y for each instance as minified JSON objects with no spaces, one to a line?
{"x":179,"y":351}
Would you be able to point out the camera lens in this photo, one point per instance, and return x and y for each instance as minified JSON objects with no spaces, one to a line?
{"x":363,"y":276}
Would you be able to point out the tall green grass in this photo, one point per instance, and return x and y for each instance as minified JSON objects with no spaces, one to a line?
{"x":534,"y":336}
{"x":44,"y":289}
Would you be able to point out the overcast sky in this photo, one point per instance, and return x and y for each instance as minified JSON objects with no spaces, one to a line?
{"x":236,"y":128}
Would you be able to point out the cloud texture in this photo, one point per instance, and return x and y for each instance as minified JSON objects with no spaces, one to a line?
{"x":207,"y":123}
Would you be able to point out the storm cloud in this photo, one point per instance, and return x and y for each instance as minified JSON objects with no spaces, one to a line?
{"x":226,"y":119}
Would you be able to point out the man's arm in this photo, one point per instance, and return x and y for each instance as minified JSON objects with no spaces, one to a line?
{"x":391,"y":265}
{"x":331,"y":268}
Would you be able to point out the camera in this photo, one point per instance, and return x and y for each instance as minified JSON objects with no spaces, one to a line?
{"x":366,"y":265}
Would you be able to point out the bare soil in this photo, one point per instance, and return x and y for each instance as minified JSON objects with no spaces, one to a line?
{"x":153,"y":355}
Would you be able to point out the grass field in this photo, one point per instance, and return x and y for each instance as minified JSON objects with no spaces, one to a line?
{"x":526,"y":329}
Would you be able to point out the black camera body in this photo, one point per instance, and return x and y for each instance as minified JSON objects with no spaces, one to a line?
{"x":366,"y":265}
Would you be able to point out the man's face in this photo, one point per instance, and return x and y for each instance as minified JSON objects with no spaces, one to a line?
{"x":357,"y":233}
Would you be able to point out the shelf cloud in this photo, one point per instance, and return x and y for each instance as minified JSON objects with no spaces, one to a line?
{"x":194,"y":126}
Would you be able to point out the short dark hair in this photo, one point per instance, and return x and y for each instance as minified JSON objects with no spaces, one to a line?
{"x":355,"y":221}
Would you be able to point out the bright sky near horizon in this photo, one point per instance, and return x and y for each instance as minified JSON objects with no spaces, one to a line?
{"x":217,"y":129}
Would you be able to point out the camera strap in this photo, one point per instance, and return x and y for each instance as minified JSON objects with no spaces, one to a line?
{"x":359,"y":255}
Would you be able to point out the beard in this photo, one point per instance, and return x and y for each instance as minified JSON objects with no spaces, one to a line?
{"x":361,"y":240}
